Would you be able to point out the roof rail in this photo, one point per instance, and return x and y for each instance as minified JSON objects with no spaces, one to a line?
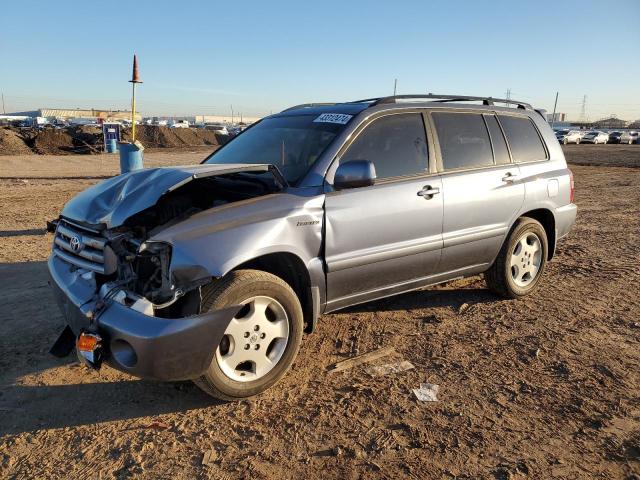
{"x":445,"y":98}
{"x":305,"y":105}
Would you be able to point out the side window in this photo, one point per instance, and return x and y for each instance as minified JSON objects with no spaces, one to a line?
{"x":523,"y":139}
{"x":464,"y":141}
{"x":396,"y":144}
{"x":500,"y":151}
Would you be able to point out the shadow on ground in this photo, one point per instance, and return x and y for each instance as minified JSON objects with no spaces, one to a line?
{"x":30,"y":323}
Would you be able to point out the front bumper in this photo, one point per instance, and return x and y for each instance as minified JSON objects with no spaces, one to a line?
{"x":135,"y":343}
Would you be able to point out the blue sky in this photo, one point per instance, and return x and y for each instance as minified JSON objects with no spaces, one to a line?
{"x":203,"y":57}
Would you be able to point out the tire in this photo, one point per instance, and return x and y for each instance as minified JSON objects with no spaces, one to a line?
{"x":500,"y":277}
{"x":224,"y":381}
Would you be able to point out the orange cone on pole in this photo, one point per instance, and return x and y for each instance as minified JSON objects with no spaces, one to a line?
{"x":131,"y":152}
{"x":135,"y":78}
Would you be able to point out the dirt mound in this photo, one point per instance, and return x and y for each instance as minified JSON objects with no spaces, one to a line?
{"x":152,"y":136}
{"x":50,"y":141}
{"x":89,"y":139}
{"x":12,"y":143}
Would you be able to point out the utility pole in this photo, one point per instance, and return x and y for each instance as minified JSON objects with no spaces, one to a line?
{"x":508,"y":97}
{"x":553,"y":117}
{"x":583,"y":109}
{"x":395,"y":85}
{"x":231,"y":114}
{"x":3,"y":110}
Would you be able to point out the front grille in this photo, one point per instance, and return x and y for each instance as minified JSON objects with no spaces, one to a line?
{"x":83,"y":247}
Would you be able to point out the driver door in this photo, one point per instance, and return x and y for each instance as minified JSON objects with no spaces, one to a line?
{"x":386,"y":237}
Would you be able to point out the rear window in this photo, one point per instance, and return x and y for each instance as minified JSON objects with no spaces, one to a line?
{"x":464,"y":140}
{"x":523,"y":138}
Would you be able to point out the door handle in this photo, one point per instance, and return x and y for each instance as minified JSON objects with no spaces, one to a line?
{"x":428,"y":192}
{"x":510,"y":177}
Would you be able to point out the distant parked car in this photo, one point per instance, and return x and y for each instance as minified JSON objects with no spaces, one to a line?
{"x":614,"y":137}
{"x":595,"y":137}
{"x":218,"y":128}
{"x":629,"y":137}
{"x":569,"y":136}
{"x":180,"y":124}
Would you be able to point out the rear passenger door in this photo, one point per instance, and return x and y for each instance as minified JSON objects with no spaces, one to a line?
{"x":481,"y":189}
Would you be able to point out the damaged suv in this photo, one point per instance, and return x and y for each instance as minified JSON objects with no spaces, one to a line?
{"x":213,"y":272}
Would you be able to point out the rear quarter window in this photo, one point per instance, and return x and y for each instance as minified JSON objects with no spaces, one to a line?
{"x":523,"y":138}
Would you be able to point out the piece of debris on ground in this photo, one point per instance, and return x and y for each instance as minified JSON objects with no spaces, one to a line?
{"x":428,"y":392}
{"x":388,"y":368}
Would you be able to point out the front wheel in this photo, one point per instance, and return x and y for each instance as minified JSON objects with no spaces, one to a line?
{"x":261,"y":341}
{"x":521,"y":261}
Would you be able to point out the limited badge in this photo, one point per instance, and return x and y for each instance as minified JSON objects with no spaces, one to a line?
{"x":340,"y":118}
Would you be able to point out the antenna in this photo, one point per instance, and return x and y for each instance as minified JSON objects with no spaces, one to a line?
{"x":553,"y":116}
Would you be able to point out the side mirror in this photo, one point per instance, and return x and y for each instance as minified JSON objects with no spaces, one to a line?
{"x":354,"y":174}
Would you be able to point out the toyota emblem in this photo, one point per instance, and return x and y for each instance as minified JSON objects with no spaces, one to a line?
{"x":75,"y":243}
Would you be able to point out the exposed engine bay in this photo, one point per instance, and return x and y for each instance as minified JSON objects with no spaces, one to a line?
{"x":132,"y":270}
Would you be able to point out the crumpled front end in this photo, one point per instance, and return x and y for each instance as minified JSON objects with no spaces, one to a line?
{"x":136,"y":342}
{"x":136,"y":298}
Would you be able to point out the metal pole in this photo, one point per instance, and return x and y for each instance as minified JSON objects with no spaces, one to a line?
{"x":553,"y":117}
{"x":133,"y":113}
{"x":3,"y":110}
{"x":395,"y":85}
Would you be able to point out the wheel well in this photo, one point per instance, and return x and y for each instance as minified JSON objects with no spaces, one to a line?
{"x":548,"y":221}
{"x":292,"y":270}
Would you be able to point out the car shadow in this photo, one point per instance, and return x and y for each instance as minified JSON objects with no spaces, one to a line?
{"x":30,"y":323}
{"x":27,"y":408}
{"x":453,"y":298}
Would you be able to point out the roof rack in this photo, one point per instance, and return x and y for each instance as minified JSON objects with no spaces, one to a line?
{"x":446,"y":98}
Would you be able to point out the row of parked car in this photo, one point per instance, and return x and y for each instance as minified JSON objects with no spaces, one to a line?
{"x":566,"y":136}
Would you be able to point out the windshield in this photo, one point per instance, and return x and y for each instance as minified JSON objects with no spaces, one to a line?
{"x":292,"y":144}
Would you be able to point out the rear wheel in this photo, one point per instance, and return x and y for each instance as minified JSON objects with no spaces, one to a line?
{"x":261,"y":341}
{"x":521,"y":261}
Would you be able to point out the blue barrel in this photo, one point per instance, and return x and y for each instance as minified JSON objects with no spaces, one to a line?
{"x":112,"y":145}
{"x":130,"y":156}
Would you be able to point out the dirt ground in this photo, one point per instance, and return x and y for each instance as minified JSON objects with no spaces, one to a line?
{"x":543,"y":387}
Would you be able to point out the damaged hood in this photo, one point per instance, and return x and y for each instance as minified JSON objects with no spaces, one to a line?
{"x":113,"y":201}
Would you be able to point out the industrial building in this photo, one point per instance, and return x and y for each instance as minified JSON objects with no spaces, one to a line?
{"x":66,"y":114}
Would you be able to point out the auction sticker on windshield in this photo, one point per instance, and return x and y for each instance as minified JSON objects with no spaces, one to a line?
{"x":340,"y":118}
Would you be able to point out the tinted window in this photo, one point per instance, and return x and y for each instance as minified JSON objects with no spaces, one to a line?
{"x":396,"y":144}
{"x":464,"y":141}
{"x":500,"y":151}
{"x":523,"y":138}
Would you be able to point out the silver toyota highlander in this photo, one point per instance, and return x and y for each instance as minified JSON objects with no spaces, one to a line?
{"x":213,"y":272}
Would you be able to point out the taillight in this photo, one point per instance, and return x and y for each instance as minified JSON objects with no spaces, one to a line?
{"x":572,"y":187}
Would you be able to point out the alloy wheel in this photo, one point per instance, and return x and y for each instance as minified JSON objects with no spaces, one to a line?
{"x":526,"y":259}
{"x":255,"y":340}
